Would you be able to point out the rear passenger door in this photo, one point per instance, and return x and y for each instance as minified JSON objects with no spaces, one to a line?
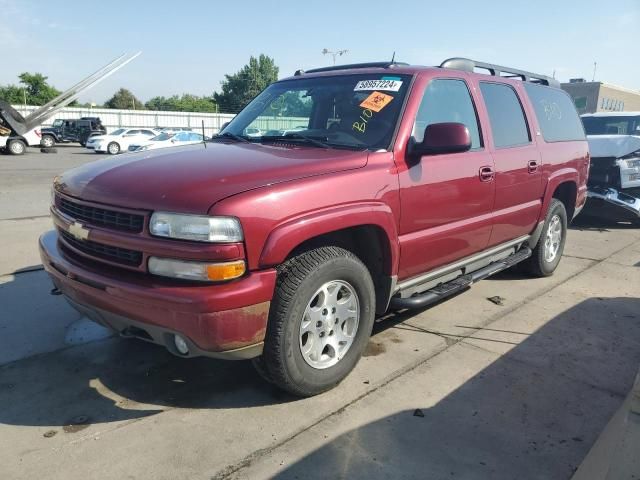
{"x":518,"y":169}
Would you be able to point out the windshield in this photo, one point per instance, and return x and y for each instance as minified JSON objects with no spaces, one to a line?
{"x":57,"y":123}
{"x":348,"y":111}
{"x":117,"y":132}
{"x":613,"y":125}
{"x":163,"y":136}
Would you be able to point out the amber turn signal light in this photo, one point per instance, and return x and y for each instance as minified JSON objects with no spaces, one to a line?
{"x":217,"y":272}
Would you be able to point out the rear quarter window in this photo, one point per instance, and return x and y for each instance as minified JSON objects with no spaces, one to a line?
{"x":556,"y":113}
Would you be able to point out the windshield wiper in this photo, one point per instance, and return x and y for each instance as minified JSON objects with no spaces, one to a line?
{"x":233,"y":136}
{"x":298,"y":136}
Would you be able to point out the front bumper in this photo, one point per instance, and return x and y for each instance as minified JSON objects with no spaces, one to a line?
{"x":611,"y":203}
{"x":224,"y":320}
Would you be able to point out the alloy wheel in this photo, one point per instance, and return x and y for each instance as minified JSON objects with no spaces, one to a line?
{"x":329,"y":324}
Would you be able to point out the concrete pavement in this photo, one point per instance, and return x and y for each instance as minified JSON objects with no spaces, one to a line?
{"x":524,"y":387}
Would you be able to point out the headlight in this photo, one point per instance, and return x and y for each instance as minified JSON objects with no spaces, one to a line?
{"x":632,"y":162}
{"x":195,"y":227}
{"x":200,"y":271}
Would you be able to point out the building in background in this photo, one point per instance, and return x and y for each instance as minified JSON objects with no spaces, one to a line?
{"x":591,"y":97}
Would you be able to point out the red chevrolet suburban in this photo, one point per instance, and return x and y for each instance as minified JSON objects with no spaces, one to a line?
{"x":335,"y":195}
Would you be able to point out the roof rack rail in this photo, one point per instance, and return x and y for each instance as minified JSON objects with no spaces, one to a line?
{"x":351,"y":66}
{"x":468,"y":65}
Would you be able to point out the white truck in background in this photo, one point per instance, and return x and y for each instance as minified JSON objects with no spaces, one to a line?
{"x":16,"y":145}
{"x":614,"y":176}
{"x":18,"y":132}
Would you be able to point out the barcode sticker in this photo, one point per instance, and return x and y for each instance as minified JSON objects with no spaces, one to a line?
{"x":384,"y":85}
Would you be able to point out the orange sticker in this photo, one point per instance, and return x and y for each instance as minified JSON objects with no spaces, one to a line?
{"x":376,"y":101}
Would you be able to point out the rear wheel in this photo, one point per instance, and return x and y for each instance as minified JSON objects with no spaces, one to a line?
{"x":320,"y":321}
{"x":113,"y":148}
{"x":548,"y":251}
{"x":16,"y":147}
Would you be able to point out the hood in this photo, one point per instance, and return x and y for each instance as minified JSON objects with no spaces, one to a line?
{"x":190,"y":179}
{"x":98,"y":137}
{"x":612,"y":145}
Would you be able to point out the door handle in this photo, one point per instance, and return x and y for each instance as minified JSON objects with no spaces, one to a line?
{"x":486,"y":174}
{"x":532,"y":166}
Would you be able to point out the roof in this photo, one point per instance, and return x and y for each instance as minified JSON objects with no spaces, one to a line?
{"x":611,"y":114}
{"x":456,"y":63}
{"x":395,"y":68}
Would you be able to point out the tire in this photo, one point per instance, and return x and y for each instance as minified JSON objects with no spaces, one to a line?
{"x":328,"y":277}
{"x":47,"y":141}
{"x":261,"y":368}
{"x":543,"y":262}
{"x":113,"y":148}
{"x":16,"y":147}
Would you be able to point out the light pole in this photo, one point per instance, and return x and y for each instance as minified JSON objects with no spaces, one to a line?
{"x":334,"y":54}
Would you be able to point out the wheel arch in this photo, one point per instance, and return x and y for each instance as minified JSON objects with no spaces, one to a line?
{"x":562,"y":185}
{"x":567,"y":193}
{"x":368,"y":231}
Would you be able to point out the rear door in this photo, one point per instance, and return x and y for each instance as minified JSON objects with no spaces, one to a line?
{"x":518,"y":169}
{"x":446,"y":199}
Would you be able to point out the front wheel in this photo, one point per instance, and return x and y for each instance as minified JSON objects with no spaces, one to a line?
{"x":113,"y":148}
{"x":548,"y":251}
{"x":47,"y":141}
{"x":320,"y":321}
{"x":16,"y":147}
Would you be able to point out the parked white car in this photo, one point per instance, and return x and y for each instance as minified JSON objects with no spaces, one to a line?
{"x":167,"y":139}
{"x":119,"y":140}
{"x":17,"y":145}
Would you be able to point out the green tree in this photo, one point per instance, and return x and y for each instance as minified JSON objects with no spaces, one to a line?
{"x":34,"y":87}
{"x":241,"y":87}
{"x":39,"y":91}
{"x":123,"y":99}
{"x":184,"y":103}
{"x":12,"y":94}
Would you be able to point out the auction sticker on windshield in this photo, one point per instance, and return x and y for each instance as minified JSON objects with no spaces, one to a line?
{"x":388,"y":85}
{"x":376,"y":101}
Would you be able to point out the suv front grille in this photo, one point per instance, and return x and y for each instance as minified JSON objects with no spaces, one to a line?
{"x":106,"y":252}
{"x":101,"y":216}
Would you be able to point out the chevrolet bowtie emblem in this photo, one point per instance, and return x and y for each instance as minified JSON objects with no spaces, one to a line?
{"x":77,"y":230}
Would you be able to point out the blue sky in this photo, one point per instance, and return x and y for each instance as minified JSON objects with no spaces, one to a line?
{"x":188,"y":46}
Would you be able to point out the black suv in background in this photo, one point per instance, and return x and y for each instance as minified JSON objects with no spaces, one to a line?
{"x":78,"y":130}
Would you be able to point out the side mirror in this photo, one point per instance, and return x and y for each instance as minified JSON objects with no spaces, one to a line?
{"x":448,"y":137}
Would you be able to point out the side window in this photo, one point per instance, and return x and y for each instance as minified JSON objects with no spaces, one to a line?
{"x":133,"y":132}
{"x":557,"y":116}
{"x":447,"y":100}
{"x":148,"y":132}
{"x":508,"y":124}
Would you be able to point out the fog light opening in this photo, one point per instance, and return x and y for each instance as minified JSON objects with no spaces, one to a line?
{"x":181,"y":345}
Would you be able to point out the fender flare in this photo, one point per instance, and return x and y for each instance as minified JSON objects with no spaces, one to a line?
{"x":556,"y":178}
{"x":284,"y":238}
{"x":55,"y":136}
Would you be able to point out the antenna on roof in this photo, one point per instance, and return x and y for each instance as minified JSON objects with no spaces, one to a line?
{"x":393,"y":57}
